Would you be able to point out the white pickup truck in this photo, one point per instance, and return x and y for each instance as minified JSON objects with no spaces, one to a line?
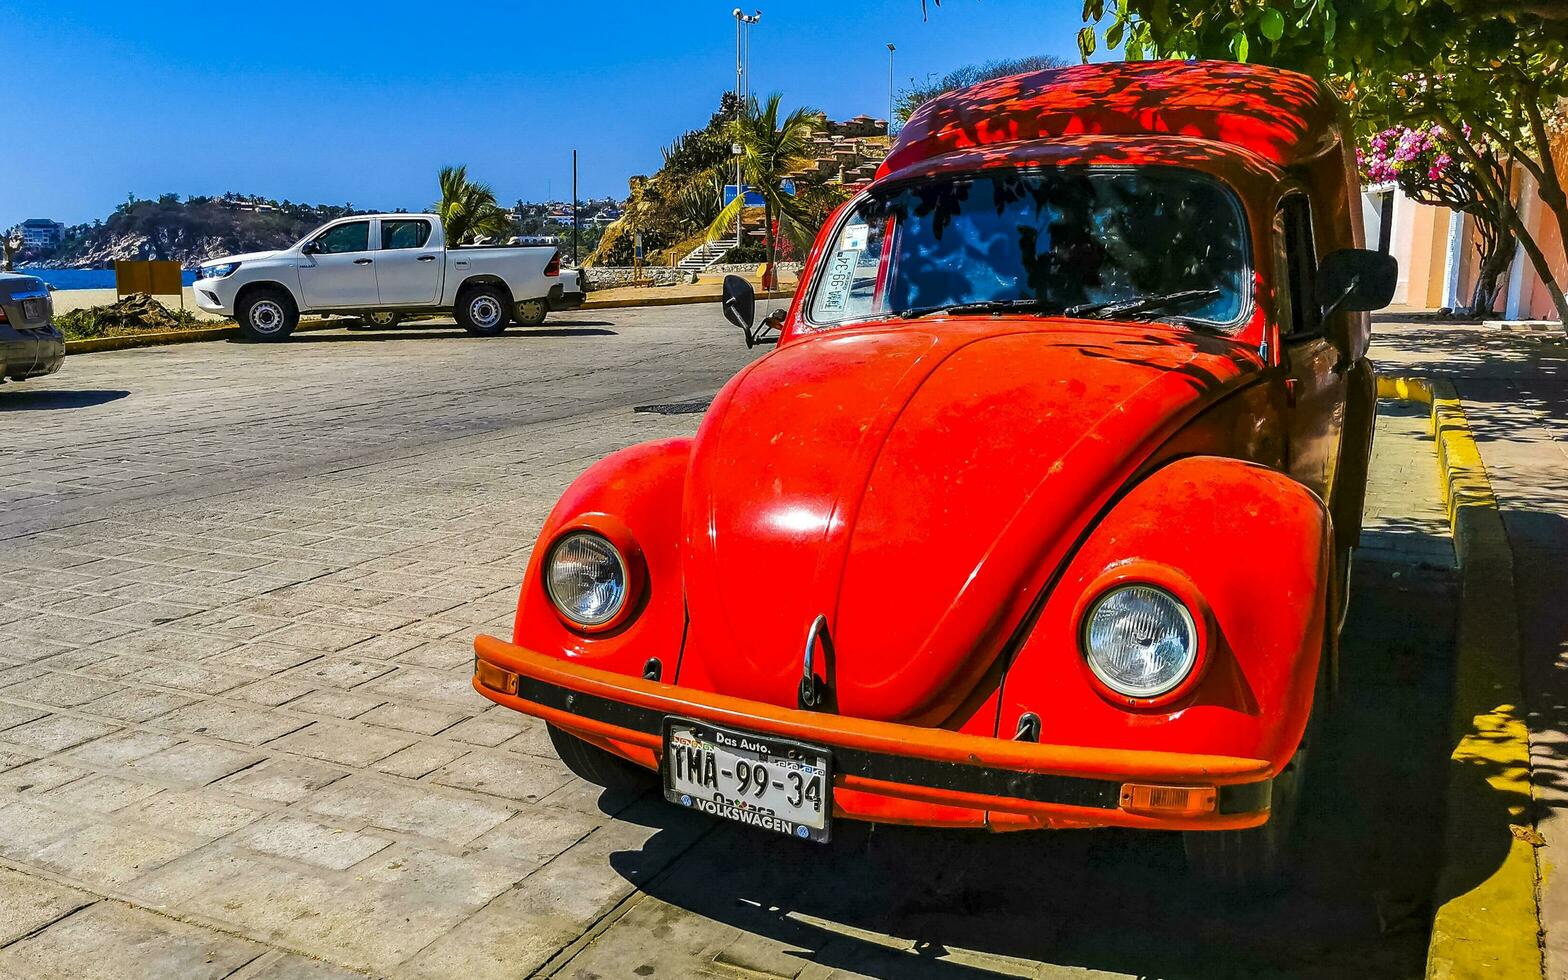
{"x":383,"y":267}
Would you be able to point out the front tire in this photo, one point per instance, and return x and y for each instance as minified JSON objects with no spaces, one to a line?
{"x":597,"y":766}
{"x":1254,"y":862}
{"x":531,"y":312}
{"x":483,"y":310}
{"x":267,"y":315}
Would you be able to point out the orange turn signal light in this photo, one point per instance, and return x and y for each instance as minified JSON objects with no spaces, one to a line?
{"x":495,"y":678}
{"x":1169,"y":801}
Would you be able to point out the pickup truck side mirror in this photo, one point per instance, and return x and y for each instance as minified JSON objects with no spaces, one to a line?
{"x":1356,"y":280}
{"x":310,"y":248}
{"x":740,"y":303}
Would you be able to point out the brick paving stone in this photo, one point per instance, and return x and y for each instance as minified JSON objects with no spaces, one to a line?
{"x":345,"y":743}
{"x":343,"y":672}
{"x":137,"y":704}
{"x":108,"y":855}
{"x":111,"y":940}
{"x":194,"y":763}
{"x":27,"y":904}
{"x":232,"y":722}
{"x":492,"y":728}
{"x":99,"y":794}
{"x":414,"y":718}
{"x":123,"y":747}
{"x":204,"y":813}
{"x":13,"y":714}
{"x":60,"y":690}
{"x":57,"y":732}
{"x":310,"y":841}
{"x":420,"y":759}
{"x":338,"y":704}
{"x":400,"y":806}
{"x":502,"y":774}
{"x":284,"y":780}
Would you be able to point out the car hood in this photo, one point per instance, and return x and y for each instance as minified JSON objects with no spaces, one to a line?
{"x":247,"y":257}
{"x":916,"y":485}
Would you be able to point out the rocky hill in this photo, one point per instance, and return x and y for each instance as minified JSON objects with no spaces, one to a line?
{"x":189,"y":231}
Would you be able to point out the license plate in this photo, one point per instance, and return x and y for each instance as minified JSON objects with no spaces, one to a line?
{"x":32,"y":309}
{"x":772,"y":783}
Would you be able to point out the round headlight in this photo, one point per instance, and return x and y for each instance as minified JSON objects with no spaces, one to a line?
{"x":586,"y":578}
{"x":1140,"y":641}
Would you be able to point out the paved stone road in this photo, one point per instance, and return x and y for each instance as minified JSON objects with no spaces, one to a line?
{"x":238,"y":586}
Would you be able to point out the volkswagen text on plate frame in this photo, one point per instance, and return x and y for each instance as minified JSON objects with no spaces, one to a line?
{"x":1039,"y":513}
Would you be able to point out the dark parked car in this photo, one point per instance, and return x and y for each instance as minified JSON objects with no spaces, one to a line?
{"x":30,"y":343}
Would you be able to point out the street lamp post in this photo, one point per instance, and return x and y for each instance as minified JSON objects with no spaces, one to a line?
{"x":743,"y":22}
{"x":890,"y":50}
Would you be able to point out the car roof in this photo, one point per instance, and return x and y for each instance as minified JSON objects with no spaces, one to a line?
{"x":1280,"y":117}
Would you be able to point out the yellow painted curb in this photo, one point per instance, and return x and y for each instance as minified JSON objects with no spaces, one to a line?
{"x":126,"y":341}
{"x":1487,"y":919}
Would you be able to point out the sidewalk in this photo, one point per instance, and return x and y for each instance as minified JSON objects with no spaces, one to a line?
{"x":1513,"y":389}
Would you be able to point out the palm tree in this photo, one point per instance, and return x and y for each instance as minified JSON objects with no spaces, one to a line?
{"x":469,"y":210}
{"x":770,"y":152}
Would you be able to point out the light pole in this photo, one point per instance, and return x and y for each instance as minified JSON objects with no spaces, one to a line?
{"x":890,"y":50}
{"x":743,"y":22}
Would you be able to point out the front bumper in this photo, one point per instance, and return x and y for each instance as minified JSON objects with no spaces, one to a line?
{"x":30,"y":353}
{"x":891,"y":772}
{"x":215,"y":295}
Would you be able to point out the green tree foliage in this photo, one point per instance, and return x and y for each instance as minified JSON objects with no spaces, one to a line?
{"x":468,"y":209}
{"x":1499,"y":67}
{"x":678,"y":202}
{"x":919,"y":93}
{"x":772,"y":149}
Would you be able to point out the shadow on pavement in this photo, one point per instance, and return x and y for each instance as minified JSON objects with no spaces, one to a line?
{"x":589,"y":328}
{"x":52,"y":399}
{"x":893,"y":902}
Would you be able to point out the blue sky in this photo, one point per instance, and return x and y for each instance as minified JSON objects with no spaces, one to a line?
{"x":329,"y":101}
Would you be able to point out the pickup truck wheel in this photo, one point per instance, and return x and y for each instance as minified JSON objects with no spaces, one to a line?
{"x":531,"y":313}
{"x":383,"y":318}
{"x":483,"y":310}
{"x":267,"y":315}
{"x":598,"y":766}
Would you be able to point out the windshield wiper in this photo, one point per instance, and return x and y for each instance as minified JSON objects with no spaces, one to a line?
{"x":982,"y":306}
{"x":1139,"y":304}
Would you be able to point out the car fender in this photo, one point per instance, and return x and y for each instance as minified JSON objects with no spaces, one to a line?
{"x":1250,"y":548}
{"x":633,"y":496}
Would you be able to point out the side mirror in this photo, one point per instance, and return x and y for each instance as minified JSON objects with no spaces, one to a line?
{"x":310,"y":248}
{"x":740,"y":303}
{"x":1356,"y":280}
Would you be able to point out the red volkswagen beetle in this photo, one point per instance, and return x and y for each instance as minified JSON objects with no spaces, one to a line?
{"x":1038,"y":516}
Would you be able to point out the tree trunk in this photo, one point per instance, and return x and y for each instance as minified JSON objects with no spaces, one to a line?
{"x":767,"y":217}
{"x":1495,"y":246}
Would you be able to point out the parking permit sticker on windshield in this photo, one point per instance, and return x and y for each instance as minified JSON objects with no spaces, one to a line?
{"x":854,"y":238}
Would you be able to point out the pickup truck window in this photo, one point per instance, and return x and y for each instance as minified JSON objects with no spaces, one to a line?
{"x":1153,"y":242}
{"x":404,"y":234}
{"x":352,"y":237}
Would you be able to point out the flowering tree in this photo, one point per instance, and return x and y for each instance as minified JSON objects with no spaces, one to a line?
{"x":1497,"y":66}
{"x":1424,"y":163}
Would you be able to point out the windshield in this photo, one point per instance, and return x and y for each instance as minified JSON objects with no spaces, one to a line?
{"x":1152,"y":242}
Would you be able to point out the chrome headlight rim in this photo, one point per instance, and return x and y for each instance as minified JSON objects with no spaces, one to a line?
{"x":1193,"y":613}
{"x":615,"y":614}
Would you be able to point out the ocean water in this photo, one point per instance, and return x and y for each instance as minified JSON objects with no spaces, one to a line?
{"x":88,"y":278}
